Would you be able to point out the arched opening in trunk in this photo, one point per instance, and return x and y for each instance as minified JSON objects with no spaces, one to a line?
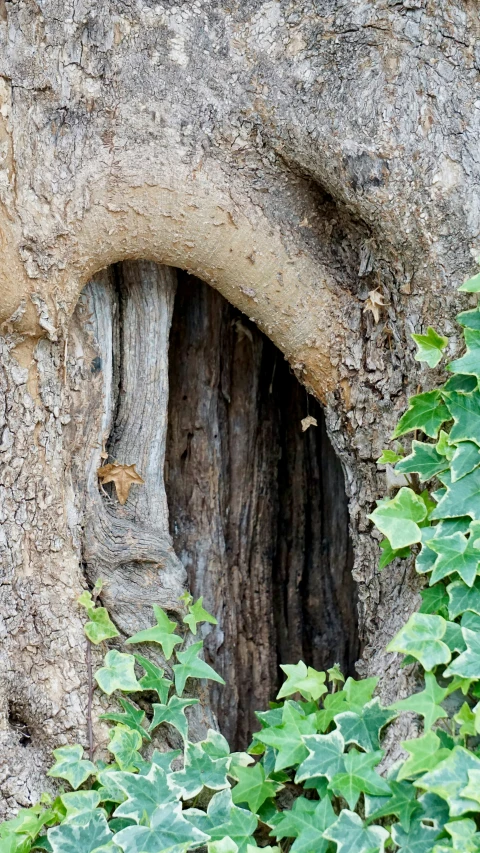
{"x":257,"y":509}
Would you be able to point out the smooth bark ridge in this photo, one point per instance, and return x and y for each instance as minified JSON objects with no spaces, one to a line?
{"x":258,"y":510}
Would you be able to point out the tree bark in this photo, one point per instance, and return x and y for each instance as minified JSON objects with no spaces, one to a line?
{"x":295,"y":157}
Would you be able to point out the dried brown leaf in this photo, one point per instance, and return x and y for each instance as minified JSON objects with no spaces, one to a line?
{"x":122,"y":476}
{"x":308,"y":422}
{"x":374,"y":303}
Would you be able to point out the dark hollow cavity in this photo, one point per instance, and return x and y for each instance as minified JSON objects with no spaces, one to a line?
{"x":258,"y":510}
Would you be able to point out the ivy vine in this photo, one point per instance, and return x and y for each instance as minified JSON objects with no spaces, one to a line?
{"x":310,"y":781}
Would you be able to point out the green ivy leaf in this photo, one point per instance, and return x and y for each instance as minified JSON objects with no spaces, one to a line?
{"x":358,"y":693}
{"x":425,"y":753}
{"x":350,"y":833}
{"x":304,"y":680}
{"x":191,"y":666}
{"x":124,"y":745}
{"x":162,"y":633}
{"x":472,"y":285}
{"x":421,"y":638}
{"x":472,"y":789}
{"x":169,"y":832}
{"x":100,"y":627}
{"x":470,"y":362}
{"x":132,"y":718}
{"x":465,"y":459}
{"x":402,"y":803}
{"x":335,"y":675}
{"x":417,"y":839}
{"x":435,"y":600}
{"x":463,"y":598}
{"x":70,"y":765}
{"x":79,"y":802}
{"x":224,"y":819}
{"x":325,"y":757}
{"x":359,"y":777}
{"x":467,"y":665}
{"x":389,"y":555}
{"x":398,"y":519}
{"x":426,"y":703}
{"x":306,"y":821}
{"x":253,"y":788}
{"x":144,"y":793}
{"x":85,"y":834}
{"x":465,"y":718}
{"x":363,"y":729}
{"x":424,"y":461}
{"x":430,"y":347}
{"x":426,"y":412}
{"x":200,"y":771}
{"x":196,"y":614}
{"x":118,"y":673}
{"x":287,"y":738}
{"x":465,"y":411}
{"x":389,"y":457}
{"x":449,"y":778}
{"x":455,"y":553}
{"x":464,"y":384}
{"x":154,"y":680}
{"x":173,"y":713}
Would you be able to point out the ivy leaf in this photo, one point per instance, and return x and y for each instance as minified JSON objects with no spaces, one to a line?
{"x":424,"y":461}
{"x":465,"y":718}
{"x":455,"y":553}
{"x":200,"y":771}
{"x":224,"y":819}
{"x":144,"y":793}
{"x":467,"y":665}
{"x":449,"y":778}
{"x":173,"y":713}
{"x":335,"y":675}
{"x":469,"y":363}
{"x":402,"y":803}
{"x":389,"y":555}
{"x":124,"y":745}
{"x":132,"y":718}
{"x":306,"y":821}
{"x":288,"y":737}
{"x":426,"y":412}
{"x":364,"y":728}
{"x":389,"y":457}
{"x":465,"y":384}
{"x":472,"y":285}
{"x":430,"y":347}
{"x":425,"y":753}
{"x":118,"y":673}
{"x":472,"y":790}
{"x":162,"y":633}
{"x":417,"y":839}
{"x":435,"y":600}
{"x":463,"y":598}
{"x":398,"y":518}
{"x":421,"y":638}
{"x":191,"y":666}
{"x":196,"y":614}
{"x":358,"y":693}
{"x":100,"y":627}
{"x":461,"y":498}
{"x":464,"y":409}
{"x":168,"y":832}
{"x":79,"y":802}
{"x":84,"y":834}
{"x":154,"y":680}
{"x":350,"y":833}
{"x":465,"y":459}
{"x":304,"y":680}
{"x":70,"y":765}
{"x":253,"y":788}
{"x":325,"y":757}
{"x":359,"y":777}
{"x":426,"y":703}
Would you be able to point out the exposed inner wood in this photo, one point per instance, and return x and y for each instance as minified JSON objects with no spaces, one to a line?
{"x":258,"y":511}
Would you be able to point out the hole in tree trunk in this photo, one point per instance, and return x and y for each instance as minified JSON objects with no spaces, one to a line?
{"x":258,"y":511}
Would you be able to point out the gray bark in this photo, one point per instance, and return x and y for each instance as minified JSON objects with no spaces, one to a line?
{"x":295,"y":156}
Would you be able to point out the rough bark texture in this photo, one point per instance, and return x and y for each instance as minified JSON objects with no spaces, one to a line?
{"x":295,"y":155}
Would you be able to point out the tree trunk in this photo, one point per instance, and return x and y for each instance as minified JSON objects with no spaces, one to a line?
{"x":294,"y":158}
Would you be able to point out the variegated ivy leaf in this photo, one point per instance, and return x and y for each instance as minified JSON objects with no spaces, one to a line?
{"x":472,"y":285}
{"x":359,"y":777}
{"x":402,"y":803}
{"x":467,"y":665}
{"x":363,"y":729}
{"x":173,"y":713}
{"x":465,"y":459}
{"x":162,"y":633}
{"x":424,"y":461}
{"x":191,"y":666}
{"x":426,"y":412}
{"x":472,"y":789}
{"x":124,"y":745}
{"x":426,"y":703}
{"x":470,"y":319}
{"x":144,"y":793}
{"x":419,"y":838}
{"x":398,"y":519}
{"x":168,"y":832}
{"x":350,"y":833}
{"x":306,"y":822}
{"x":325,"y":757}
{"x":430,"y":347}
{"x":455,"y":553}
{"x":86,"y":833}
{"x":79,"y":802}
{"x":304,"y":680}
{"x":132,"y":718}
{"x":200,"y":771}
{"x":449,"y":779}
{"x":224,"y":819}
{"x":118,"y":673}
{"x":70,"y":765}
{"x":470,"y":362}
{"x":421,"y":638}
{"x":465,"y":411}
{"x":463,"y":598}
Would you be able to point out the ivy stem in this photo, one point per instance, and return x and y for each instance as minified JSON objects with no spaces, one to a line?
{"x":91,"y":745}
